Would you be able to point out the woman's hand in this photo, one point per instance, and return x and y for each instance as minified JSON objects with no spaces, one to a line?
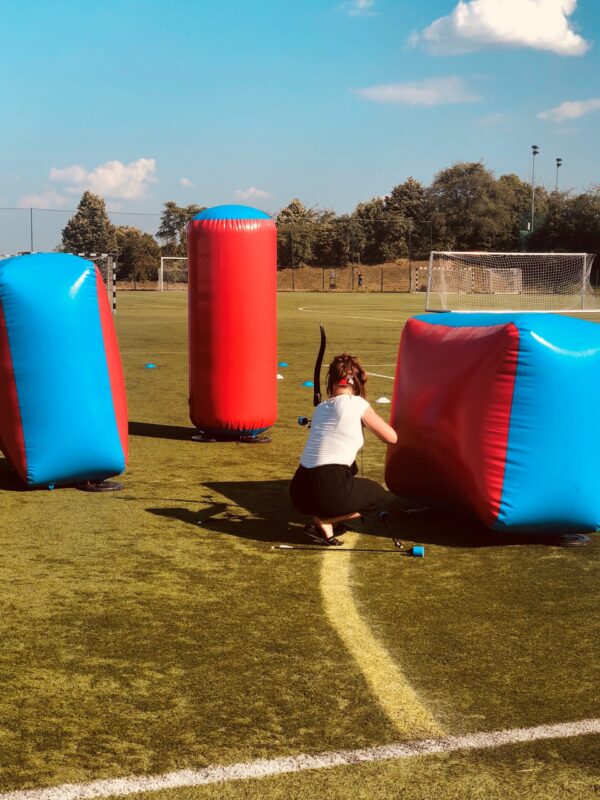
{"x":379,"y":427}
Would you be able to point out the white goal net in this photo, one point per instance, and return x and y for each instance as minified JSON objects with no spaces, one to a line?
{"x":172,"y":273}
{"x":511,"y":282}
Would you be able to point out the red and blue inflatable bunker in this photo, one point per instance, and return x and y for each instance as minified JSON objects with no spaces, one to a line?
{"x":232,"y":264}
{"x":493,"y":419}
{"x":63,"y":413}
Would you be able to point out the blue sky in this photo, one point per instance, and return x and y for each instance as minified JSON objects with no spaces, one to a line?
{"x":263,"y":101}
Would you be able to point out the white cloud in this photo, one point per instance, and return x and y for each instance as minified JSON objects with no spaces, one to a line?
{"x":47,"y":198}
{"x":476,"y":24}
{"x":251,"y":194}
{"x":570,"y":109}
{"x":360,"y":8}
{"x":430,"y":92}
{"x":186,"y":182}
{"x":112,"y":179}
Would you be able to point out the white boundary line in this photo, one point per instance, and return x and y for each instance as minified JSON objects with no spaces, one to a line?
{"x":278,"y":766}
{"x":377,"y":375}
{"x":373,"y":318}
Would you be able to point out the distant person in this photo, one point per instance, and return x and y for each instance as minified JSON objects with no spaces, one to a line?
{"x":332,"y":279}
{"x":324,"y":485}
{"x":360,"y":280}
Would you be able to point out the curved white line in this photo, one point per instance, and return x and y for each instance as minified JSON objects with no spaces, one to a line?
{"x":392,"y":691}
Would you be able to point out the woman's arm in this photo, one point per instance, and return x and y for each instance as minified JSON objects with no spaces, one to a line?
{"x":381,"y":429}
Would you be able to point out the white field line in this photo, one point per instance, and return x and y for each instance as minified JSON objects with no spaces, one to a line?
{"x":373,"y":318}
{"x":263,"y":768}
{"x":377,"y":375}
{"x":398,"y":700}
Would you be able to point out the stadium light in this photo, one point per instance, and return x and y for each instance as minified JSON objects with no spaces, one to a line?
{"x":534,"y":151}
{"x":558,"y":165}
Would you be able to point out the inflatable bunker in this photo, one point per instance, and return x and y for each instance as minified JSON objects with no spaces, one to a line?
{"x":232,"y":299}
{"x":63,"y":414}
{"x":495,"y":415}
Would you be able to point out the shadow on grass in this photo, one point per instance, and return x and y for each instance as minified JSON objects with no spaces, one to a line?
{"x":178,"y":432}
{"x":9,"y":482}
{"x":448,"y":529}
{"x":262,"y":512}
{"x":259,"y":511}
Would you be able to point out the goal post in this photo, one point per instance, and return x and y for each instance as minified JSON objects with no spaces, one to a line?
{"x":479,"y":281}
{"x":172,"y":270}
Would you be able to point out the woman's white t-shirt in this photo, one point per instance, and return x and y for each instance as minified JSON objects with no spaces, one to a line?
{"x":336,"y":432}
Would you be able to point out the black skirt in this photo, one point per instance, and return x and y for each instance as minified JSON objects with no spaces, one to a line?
{"x":334,"y":491}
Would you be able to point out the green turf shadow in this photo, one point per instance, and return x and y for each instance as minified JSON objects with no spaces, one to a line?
{"x":9,"y":481}
{"x":177,"y":432}
{"x":448,"y":529}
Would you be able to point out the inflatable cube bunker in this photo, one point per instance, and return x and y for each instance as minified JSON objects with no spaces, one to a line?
{"x":495,"y":415}
{"x":63,"y":411}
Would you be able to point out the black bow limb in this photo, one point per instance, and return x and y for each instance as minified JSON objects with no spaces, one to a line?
{"x":318,"y":364}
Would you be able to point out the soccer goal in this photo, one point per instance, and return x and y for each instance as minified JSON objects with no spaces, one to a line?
{"x":173,"y":272}
{"x":107,"y":266}
{"x":510,"y":282}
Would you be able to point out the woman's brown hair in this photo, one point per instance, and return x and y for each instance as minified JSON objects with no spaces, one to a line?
{"x":346,"y":366}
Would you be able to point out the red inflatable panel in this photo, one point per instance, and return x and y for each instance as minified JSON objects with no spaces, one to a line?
{"x":451,"y":384}
{"x":232,"y":258}
{"x":13,"y":445}
{"x":115,"y":367}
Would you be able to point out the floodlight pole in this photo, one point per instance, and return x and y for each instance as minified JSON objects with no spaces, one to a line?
{"x":558,"y":165}
{"x":534,"y":151}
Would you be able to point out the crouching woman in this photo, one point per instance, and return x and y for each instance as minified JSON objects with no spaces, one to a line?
{"x":325,"y":485}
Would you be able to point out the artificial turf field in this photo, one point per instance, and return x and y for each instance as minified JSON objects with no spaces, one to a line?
{"x":156,"y":629}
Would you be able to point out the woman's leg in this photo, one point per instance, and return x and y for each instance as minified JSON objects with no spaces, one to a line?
{"x":326,"y":525}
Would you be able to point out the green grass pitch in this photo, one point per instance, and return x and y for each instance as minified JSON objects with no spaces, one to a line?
{"x":155,"y":629}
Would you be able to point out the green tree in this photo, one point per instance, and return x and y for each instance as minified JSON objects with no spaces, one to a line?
{"x":173,"y":222}
{"x":468,"y":207}
{"x":138,"y":254}
{"x":368,"y":232}
{"x":408,"y":200}
{"x":408,"y":225}
{"x":515,"y":195}
{"x":89,"y":230}
{"x":571,"y":223}
{"x":296,"y":232}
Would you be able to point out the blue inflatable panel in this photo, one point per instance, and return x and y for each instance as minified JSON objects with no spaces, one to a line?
{"x":60,"y":374}
{"x":553,"y":451}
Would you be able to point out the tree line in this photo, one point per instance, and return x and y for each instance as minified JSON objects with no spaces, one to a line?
{"x":465,"y":208}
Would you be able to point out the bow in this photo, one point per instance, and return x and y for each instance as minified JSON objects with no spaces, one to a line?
{"x":318,"y":363}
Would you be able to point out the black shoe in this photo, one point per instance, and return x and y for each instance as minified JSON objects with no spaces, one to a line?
{"x":317,"y":535}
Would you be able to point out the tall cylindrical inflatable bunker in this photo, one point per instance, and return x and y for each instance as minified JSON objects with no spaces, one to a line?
{"x":63,"y":412}
{"x":232,"y":258}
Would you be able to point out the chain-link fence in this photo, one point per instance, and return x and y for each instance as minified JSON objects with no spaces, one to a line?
{"x":400,"y":276}
{"x":26,"y":230}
